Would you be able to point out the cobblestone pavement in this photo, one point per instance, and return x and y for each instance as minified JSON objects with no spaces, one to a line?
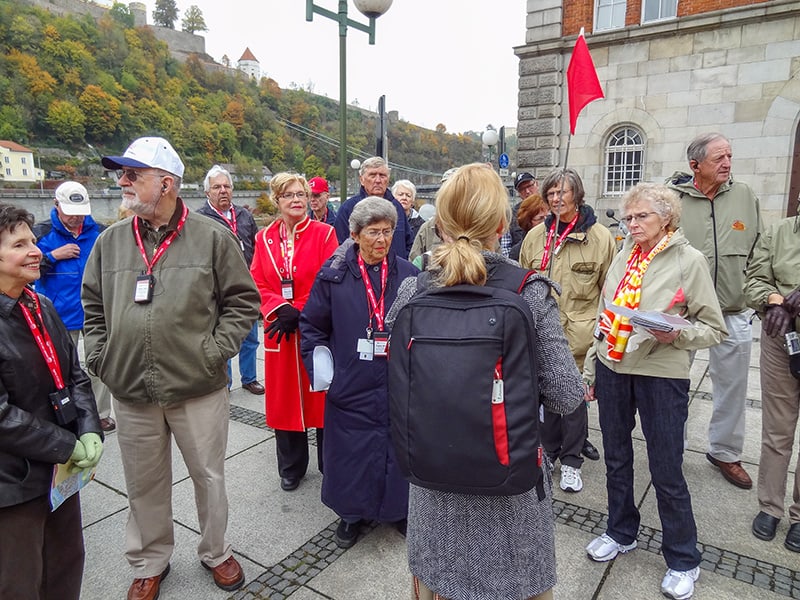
{"x":285,"y":541}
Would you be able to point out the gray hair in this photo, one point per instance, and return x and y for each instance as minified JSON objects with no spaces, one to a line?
{"x":663,"y":200}
{"x":571,"y":177}
{"x":406,"y":184}
{"x":372,"y":210}
{"x":698,"y":146}
{"x":213,"y":172}
{"x":373,"y":162}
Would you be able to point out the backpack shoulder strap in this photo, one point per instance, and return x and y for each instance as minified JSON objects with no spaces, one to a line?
{"x":508,"y":276}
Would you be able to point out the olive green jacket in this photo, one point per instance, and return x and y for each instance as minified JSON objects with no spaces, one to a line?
{"x":725,"y":230}
{"x":175,"y":347}
{"x":775,"y":265}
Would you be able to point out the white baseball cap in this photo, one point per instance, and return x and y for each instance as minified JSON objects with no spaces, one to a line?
{"x":73,"y":199}
{"x":147,"y":153}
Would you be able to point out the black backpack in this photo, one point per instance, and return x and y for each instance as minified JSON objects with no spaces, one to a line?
{"x":463,"y":392}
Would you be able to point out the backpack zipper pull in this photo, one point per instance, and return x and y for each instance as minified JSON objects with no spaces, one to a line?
{"x":497,"y":386}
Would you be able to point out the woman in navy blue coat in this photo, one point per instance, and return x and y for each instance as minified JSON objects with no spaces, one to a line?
{"x":345,"y":313}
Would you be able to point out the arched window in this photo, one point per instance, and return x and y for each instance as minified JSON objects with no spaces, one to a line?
{"x":624,"y":161}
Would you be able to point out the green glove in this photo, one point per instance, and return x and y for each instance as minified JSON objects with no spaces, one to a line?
{"x":93,"y":446}
{"x":79,"y":453}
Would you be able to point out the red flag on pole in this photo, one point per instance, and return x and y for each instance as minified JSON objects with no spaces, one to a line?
{"x":583,"y":85}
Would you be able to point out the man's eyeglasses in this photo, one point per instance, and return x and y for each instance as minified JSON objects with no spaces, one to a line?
{"x":221,"y":186}
{"x":290,"y":195}
{"x":638,"y":217}
{"x":374,"y":234}
{"x":131,"y":175}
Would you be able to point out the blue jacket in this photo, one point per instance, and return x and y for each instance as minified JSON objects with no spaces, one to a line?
{"x":61,"y":279}
{"x":402,"y":239}
{"x":362,"y":480}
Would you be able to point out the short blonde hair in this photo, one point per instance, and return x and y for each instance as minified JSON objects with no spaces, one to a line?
{"x":471,"y":208}
{"x":280,"y":181}
{"x":663,"y":200}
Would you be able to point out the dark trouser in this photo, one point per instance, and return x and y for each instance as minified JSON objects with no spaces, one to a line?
{"x":663,"y":406}
{"x":563,"y":436}
{"x":292,"y":449}
{"x":41,"y":552}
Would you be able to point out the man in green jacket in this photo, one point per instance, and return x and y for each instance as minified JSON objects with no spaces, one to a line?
{"x":722,"y":218}
{"x":168,"y":299}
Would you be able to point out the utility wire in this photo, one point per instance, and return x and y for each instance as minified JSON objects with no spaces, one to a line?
{"x":321,"y":137}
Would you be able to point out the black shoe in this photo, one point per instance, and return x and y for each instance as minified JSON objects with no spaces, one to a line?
{"x":589,"y":451}
{"x":793,"y":538}
{"x":401,"y":526}
{"x":346,"y":534}
{"x":289,"y":484}
{"x":764,"y":527}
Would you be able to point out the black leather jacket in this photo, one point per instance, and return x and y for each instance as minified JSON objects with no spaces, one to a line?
{"x":30,"y":440}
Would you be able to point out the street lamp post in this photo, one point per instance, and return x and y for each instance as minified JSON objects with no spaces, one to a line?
{"x":371,"y":9}
{"x":490,"y":139}
{"x":355,"y":164}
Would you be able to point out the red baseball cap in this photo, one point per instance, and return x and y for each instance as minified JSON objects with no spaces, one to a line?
{"x":318,"y":185}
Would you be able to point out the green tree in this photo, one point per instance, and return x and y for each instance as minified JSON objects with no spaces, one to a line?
{"x":165,"y":13}
{"x":312,"y":167}
{"x":66,"y":121}
{"x":122,"y":14}
{"x":193,"y":20}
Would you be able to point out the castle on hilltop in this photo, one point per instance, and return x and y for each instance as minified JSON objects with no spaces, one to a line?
{"x":181,"y":44}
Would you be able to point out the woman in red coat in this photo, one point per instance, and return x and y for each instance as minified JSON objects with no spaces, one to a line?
{"x":288,"y":254}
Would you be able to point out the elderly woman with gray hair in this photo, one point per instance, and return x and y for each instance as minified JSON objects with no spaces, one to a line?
{"x":631,"y":368}
{"x":344,"y":319}
{"x":405,"y":192}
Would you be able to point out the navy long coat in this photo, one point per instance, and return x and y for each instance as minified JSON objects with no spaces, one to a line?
{"x":361,"y":479}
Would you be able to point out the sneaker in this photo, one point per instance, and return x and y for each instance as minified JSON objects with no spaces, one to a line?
{"x":605,"y":548}
{"x":346,"y":534}
{"x":571,"y":479}
{"x":679,"y":585}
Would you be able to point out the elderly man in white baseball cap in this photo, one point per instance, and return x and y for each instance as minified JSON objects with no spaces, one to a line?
{"x":168,"y":300}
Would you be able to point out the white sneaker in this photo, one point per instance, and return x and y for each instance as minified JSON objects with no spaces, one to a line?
{"x":679,"y":585}
{"x":571,"y":479}
{"x":604,"y":548}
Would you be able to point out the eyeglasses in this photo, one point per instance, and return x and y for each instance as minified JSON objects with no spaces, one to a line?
{"x":131,"y":175}
{"x":374,"y":234}
{"x":638,"y":217}
{"x":290,"y":195}
{"x":556,"y":193}
{"x":317,"y":195}
{"x":403,"y":195}
{"x":222,"y":186}
{"x":371,"y":175}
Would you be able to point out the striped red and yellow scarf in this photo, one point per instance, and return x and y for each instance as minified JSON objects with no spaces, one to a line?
{"x":616,"y":328}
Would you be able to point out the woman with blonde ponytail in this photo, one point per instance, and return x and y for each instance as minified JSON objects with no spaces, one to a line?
{"x":472,"y":546}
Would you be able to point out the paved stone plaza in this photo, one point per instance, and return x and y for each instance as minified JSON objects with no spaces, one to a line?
{"x":285,"y":540}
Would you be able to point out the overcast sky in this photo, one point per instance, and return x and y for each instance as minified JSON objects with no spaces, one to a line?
{"x":437,"y":61}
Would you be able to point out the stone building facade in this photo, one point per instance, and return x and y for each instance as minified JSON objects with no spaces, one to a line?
{"x":666,"y":79}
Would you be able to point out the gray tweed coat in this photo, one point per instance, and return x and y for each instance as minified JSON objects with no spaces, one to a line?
{"x":467,"y":547}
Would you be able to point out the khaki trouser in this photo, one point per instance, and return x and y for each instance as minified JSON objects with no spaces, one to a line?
{"x":421,"y":592}
{"x":780,"y":408}
{"x":145,"y":432}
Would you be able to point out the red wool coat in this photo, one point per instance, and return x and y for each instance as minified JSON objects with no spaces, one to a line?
{"x":290,"y":405}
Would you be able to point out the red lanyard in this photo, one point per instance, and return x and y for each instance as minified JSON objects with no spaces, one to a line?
{"x":551,"y":234}
{"x":287,"y":253}
{"x":164,"y":245}
{"x":231,"y":222}
{"x":376,"y":307}
{"x":43,"y":339}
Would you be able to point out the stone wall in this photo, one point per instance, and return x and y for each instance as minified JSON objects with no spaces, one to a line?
{"x":732,"y":71}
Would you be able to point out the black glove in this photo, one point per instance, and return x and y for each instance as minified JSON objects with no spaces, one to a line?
{"x":288,"y":318}
{"x":777,"y":320}
{"x":792,"y":303}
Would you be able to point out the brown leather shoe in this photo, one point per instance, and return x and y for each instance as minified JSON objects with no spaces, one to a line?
{"x":108,"y":424}
{"x":733,"y":472}
{"x":254,"y":388}
{"x":228,"y":575}
{"x":147,"y":588}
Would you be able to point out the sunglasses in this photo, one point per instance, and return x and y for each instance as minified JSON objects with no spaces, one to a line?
{"x":131,"y":174}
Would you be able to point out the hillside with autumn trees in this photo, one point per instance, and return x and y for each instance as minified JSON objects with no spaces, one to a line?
{"x":78,"y":84}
